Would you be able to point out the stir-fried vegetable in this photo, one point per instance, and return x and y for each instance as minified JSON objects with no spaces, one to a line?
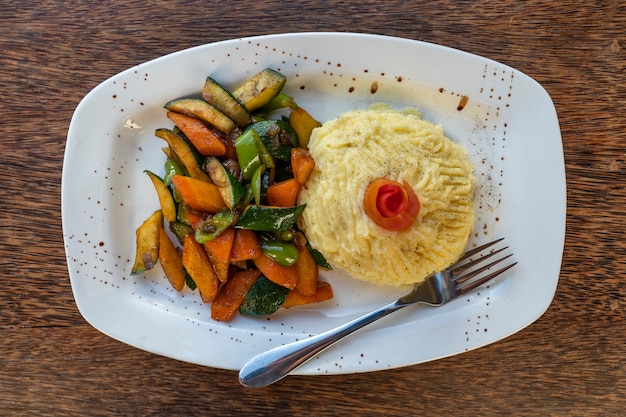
{"x":228,"y":195}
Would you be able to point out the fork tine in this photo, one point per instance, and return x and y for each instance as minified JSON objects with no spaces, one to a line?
{"x":478,"y":249}
{"x":457,"y":269}
{"x":474,"y":284}
{"x":459,"y":279}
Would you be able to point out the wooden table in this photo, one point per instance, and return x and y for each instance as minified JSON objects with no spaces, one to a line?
{"x":572,"y":361}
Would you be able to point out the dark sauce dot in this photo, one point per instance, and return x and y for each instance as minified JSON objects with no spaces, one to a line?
{"x":462,"y":103}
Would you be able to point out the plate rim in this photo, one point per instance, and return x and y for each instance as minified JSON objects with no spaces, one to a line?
{"x":81,"y":302}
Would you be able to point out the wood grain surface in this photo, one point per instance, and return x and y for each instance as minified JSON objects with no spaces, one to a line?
{"x":572,"y":361}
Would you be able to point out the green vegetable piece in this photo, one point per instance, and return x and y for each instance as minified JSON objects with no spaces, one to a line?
{"x":318,"y":257}
{"x":203,"y":111}
{"x":247,"y":153}
{"x":263,"y":298}
{"x":212,"y":227}
{"x":230,"y":189}
{"x":284,"y":235}
{"x":245,"y":200}
{"x":269,"y":219}
{"x":260,"y":89}
{"x":251,"y":153}
{"x":222,"y":100}
{"x":281,"y":101}
{"x":180,"y":230}
{"x":257,"y":184}
{"x":190,"y":282}
{"x":182,"y":214}
{"x":277,"y":136}
{"x":284,"y":253}
{"x":172,"y":167}
{"x":183,"y":153}
{"x":264,"y":155}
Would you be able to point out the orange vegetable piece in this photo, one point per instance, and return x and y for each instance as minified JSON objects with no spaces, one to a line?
{"x":283,"y":194}
{"x":287,"y":276}
{"x":218,"y":250}
{"x":205,"y":140}
{"x":232,"y":294}
{"x":171,"y":261}
{"x":391,"y":205}
{"x":307,"y":271}
{"x":302,"y":164}
{"x":324,"y":292}
{"x":194,"y":220}
{"x":199,"y":195}
{"x":197,"y":264}
{"x":245,"y":246}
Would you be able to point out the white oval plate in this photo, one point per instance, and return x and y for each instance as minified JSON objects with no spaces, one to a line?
{"x":509,"y":126}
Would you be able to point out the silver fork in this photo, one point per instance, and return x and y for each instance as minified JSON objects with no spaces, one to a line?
{"x":436,"y":290}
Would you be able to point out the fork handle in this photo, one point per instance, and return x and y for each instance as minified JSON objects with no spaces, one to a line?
{"x":275,"y":364}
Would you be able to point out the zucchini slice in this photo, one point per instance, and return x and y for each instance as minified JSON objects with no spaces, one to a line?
{"x":263,"y":298}
{"x":260,"y":89}
{"x":166,"y":200}
{"x":231,"y":190}
{"x":268,"y":218}
{"x":180,"y":230}
{"x":147,"y":243}
{"x":183,"y":153}
{"x":202,"y":110}
{"x":222,"y":100}
{"x":278,"y":137}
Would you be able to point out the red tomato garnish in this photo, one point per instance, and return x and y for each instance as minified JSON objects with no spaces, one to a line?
{"x":391,"y":200}
{"x":391,"y":205}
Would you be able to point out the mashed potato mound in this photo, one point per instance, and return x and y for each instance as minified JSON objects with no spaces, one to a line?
{"x":356,"y":148}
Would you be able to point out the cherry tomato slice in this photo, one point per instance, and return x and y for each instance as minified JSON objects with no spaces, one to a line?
{"x":391,"y":205}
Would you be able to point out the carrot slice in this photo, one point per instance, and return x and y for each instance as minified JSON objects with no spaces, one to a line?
{"x":205,"y":140}
{"x":283,"y":194}
{"x":302,"y":164}
{"x":245,"y":246}
{"x":197,"y":264}
{"x":199,"y":195}
{"x":171,"y":261}
{"x":232,"y":294}
{"x":194,"y":220}
{"x":218,"y":251}
{"x":324,"y":292}
{"x":287,"y":276}
{"x":307,"y":271}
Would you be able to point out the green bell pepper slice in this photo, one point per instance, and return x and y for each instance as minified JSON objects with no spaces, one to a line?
{"x":251,"y":153}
